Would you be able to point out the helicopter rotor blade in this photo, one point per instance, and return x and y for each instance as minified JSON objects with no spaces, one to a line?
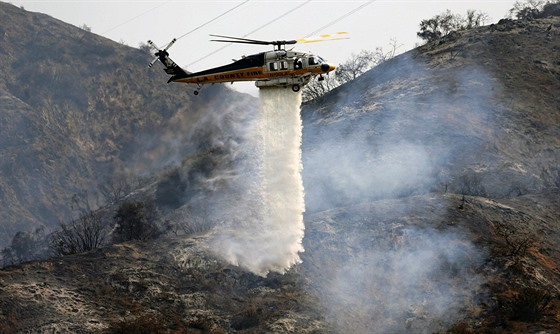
{"x":153,"y":62}
{"x":156,"y":48}
{"x":247,"y":40}
{"x":280,"y":44}
{"x":240,"y":42}
{"x":170,"y":44}
{"x":323,"y":38}
{"x":153,"y":45}
{"x":230,"y":39}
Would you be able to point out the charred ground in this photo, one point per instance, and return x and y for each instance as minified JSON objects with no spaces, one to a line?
{"x":80,"y":112}
{"x":432,"y":193}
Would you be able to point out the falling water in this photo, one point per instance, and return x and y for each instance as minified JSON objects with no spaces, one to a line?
{"x":267,"y":236}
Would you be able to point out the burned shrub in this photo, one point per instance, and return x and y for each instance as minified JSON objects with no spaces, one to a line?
{"x":83,"y":234}
{"x":530,"y":305}
{"x":135,"y":221}
{"x":170,"y":191}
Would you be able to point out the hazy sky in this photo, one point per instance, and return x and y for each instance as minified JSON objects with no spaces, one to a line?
{"x":371,"y":24}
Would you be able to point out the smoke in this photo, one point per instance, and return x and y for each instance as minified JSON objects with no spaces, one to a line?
{"x":408,"y":280}
{"x":395,"y":135}
{"x":263,"y":229}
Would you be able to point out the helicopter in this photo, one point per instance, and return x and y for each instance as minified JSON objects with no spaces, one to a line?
{"x":276,"y":68}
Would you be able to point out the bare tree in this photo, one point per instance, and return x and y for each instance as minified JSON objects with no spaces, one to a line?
{"x":355,"y":66}
{"x":80,"y":235}
{"x":360,"y":63}
{"x":115,"y":190}
{"x":474,"y":19}
{"x":316,"y":88}
{"x":85,"y":27}
{"x":528,"y":9}
{"x":517,"y":243}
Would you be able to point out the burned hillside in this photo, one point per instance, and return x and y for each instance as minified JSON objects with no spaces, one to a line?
{"x":432,"y":206}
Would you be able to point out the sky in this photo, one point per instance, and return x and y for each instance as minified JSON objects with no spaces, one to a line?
{"x":370,"y":24}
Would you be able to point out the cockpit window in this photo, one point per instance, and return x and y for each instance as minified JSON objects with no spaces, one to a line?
{"x":315,"y":60}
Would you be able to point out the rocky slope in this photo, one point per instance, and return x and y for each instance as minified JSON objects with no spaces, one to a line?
{"x":79,"y":112}
{"x":423,"y":264}
{"x":432,"y":197}
{"x":474,"y":113}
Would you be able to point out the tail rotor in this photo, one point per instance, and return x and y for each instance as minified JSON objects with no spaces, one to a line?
{"x":159,"y":52}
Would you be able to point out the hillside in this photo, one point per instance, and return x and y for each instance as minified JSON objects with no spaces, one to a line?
{"x":80,"y":112}
{"x":381,"y":267}
{"x":475,"y":113}
{"x":432,"y":198}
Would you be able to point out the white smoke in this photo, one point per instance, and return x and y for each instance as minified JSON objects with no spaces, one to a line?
{"x":419,"y":280}
{"x":379,"y":139}
{"x":264,"y":231}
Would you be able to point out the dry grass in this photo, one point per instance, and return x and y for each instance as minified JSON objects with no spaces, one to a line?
{"x":145,"y":324}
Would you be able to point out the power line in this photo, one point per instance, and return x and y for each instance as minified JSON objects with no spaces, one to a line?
{"x":214,"y":19}
{"x":134,"y":18}
{"x":278,"y":18}
{"x":163,"y":4}
{"x":252,"y":32}
{"x":322,"y":29}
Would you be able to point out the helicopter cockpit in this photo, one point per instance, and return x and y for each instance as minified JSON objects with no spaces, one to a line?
{"x":315,"y":60}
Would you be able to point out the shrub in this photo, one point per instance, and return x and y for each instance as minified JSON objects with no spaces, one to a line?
{"x":246,"y":319}
{"x":170,"y":191}
{"x":530,"y":305}
{"x":80,"y":235}
{"x":25,"y":246}
{"x":517,"y":243}
{"x":115,"y":190}
{"x":551,"y":9}
{"x":135,"y":221}
{"x":535,"y":9}
{"x":445,"y":23}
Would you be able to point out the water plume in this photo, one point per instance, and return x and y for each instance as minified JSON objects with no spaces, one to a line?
{"x":265,"y":231}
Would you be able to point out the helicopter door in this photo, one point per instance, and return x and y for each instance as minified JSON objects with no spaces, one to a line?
{"x":280,"y":65}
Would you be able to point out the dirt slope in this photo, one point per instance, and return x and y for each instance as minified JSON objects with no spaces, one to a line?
{"x":433,"y":206}
{"x":79,"y":112}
